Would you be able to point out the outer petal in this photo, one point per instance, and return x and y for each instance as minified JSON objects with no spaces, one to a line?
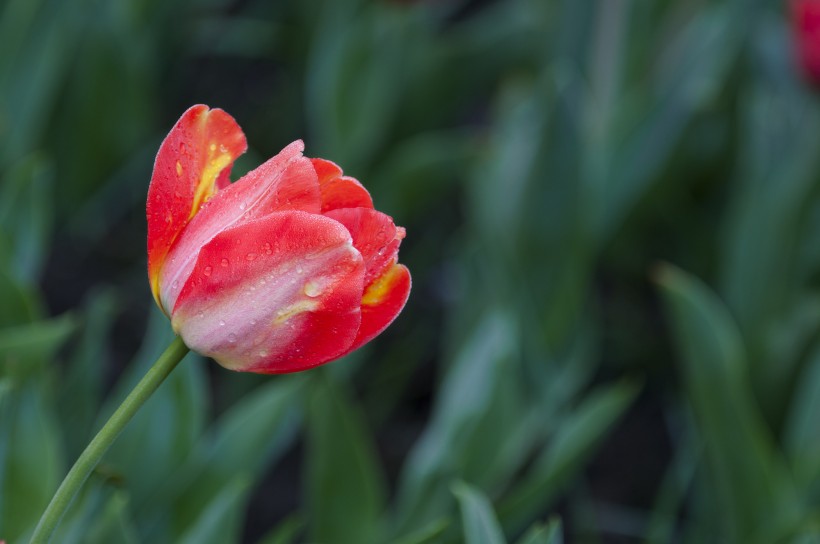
{"x":339,"y":191}
{"x":382,"y":301}
{"x":193,"y":160}
{"x":285,"y":182}
{"x":274,"y":295}
{"x":374,"y":235}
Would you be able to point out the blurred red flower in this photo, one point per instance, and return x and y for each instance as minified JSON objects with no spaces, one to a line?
{"x":806,"y":21}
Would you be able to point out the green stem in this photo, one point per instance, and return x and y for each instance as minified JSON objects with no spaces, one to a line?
{"x":79,"y":473}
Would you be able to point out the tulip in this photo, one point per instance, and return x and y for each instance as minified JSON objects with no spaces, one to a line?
{"x":287,"y":268}
{"x":806,"y":24}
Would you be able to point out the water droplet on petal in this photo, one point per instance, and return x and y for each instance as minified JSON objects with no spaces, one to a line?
{"x":299,"y":270}
{"x":224,"y":263}
{"x":207,"y":271}
{"x":253,"y":322}
{"x":250,"y":256}
{"x":312,"y":289}
{"x":263,"y":353}
{"x":267,"y":248}
{"x":221,"y":323}
{"x":242,"y":205}
{"x":232,"y":338}
{"x":175,"y":284}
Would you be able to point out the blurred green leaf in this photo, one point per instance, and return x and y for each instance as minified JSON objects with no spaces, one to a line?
{"x":692,"y":69}
{"x":20,"y":304}
{"x":345,"y":483}
{"x":80,"y":392}
{"x":755,"y":493}
{"x":286,"y":532}
{"x":162,"y":433}
{"x":551,"y":533}
{"x":478,"y":519}
{"x":802,"y":439}
{"x":33,"y":345}
{"x":31,"y":462}
{"x":566,"y":453}
{"x":466,"y":396}
{"x":245,"y":441}
{"x":221,"y":521}
{"x":425,"y":534}
{"x":26,"y":214}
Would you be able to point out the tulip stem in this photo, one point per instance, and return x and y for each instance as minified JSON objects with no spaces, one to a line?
{"x":88,"y":460}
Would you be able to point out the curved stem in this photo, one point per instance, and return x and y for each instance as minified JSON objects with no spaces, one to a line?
{"x":99,"y":445}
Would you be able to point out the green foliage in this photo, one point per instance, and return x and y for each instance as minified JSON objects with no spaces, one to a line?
{"x":544,"y":156}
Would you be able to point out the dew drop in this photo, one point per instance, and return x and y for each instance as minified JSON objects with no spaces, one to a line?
{"x":242,"y":205}
{"x":224,"y":263}
{"x":232,"y":338}
{"x":222,"y":148}
{"x":268,"y":250}
{"x":221,"y":323}
{"x":253,"y":322}
{"x":313,"y":289}
{"x":250,"y":256}
{"x":207,"y":270}
{"x":299,"y":270}
{"x":263,"y":353}
{"x":175,"y":284}
{"x":213,"y":147}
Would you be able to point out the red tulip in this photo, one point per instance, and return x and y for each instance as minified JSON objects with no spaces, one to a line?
{"x":288,"y":268}
{"x":806,"y":20}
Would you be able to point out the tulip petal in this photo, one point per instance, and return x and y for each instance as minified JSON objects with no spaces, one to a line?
{"x":374,"y":235}
{"x":381,"y":303}
{"x":273,"y":295}
{"x":194,"y":160}
{"x":339,"y":191}
{"x":285,"y":182}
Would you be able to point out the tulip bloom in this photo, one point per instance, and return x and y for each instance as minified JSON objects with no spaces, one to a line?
{"x":285,"y":269}
{"x":806,"y":22}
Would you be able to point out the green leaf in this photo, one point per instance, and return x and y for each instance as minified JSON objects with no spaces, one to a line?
{"x":162,"y":433}
{"x":478,"y":519}
{"x":753,"y":488}
{"x":20,"y":304}
{"x":246,"y":440}
{"x":31,"y":463}
{"x":466,"y":397}
{"x":567,"y":452}
{"x":345,"y":482}
{"x":26,"y":214}
{"x":221,"y":521}
{"x":80,"y":392}
{"x":802,"y":439}
{"x":35,"y":344}
{"x":551,"y":533}
{"x":427,"y":533}
{"x":286,"y":532}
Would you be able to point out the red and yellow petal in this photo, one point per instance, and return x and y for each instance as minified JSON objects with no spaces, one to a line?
{"x":375,"y":236}
{"x":339,"y":191}
{"x":382,"y":302}
{"x":274,"y":295}
{"x":285,"y":182}
{"x":193,"y":161}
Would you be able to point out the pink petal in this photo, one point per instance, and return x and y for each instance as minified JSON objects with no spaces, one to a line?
{"x":339,"y":191}
{"x":382,"y":301}
{"x":273,"y":295}
{"x":374,"y":235}
{"x":285,"y":182}
{"x":192,"y":162}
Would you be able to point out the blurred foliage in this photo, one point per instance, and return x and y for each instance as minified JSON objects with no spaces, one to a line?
{"x":544,"y":156}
